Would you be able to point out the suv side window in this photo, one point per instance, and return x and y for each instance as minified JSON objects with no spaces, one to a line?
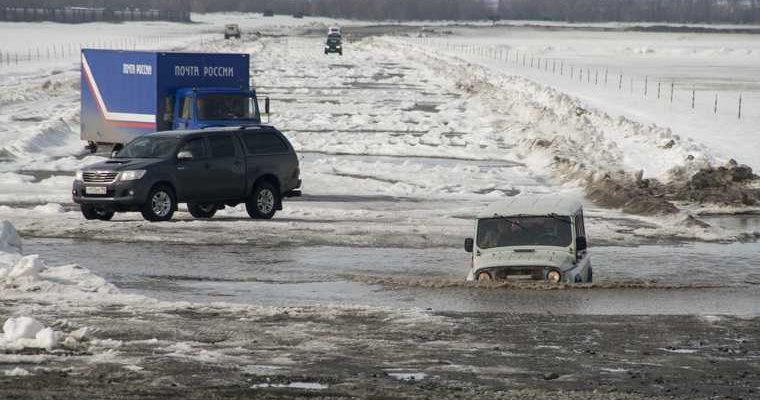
{"x":222,"y":146}
{"x":197,"y":147}
{"x":264,"y":143}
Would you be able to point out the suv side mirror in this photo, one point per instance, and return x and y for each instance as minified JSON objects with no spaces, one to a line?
{"x":580,"y":243}
{"x":266,"y":105}
{"x":184,"y":155}
{"x":468,"y":244}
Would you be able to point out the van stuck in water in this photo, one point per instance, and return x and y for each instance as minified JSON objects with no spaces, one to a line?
{"x":530,"y":238}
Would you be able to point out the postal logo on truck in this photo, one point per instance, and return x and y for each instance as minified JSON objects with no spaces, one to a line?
{"x":208,"y":71}
{"x":136,"y":69}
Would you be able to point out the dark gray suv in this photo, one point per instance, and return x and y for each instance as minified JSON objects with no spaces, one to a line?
{"x":207,"y":169}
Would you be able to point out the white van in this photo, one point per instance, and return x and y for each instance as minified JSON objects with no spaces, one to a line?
{"x":531,"y":238}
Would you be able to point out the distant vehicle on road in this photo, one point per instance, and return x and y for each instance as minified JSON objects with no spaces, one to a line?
{"x":298,"y":15}
{"x":232,"y":31}
{"x":531,"y":238}
{"x":334,"y":44}
{"x":126,"y":94}
{"x":207,"y":169}
{"x":268,"y":13}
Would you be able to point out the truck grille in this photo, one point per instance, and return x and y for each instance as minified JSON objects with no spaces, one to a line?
{"x":99,"y":176}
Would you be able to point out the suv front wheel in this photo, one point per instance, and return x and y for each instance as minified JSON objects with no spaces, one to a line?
{"x":263,"y":201}
{"x":161,"y":204}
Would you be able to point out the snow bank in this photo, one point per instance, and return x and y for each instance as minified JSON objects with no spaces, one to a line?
{"x":24,"y":332}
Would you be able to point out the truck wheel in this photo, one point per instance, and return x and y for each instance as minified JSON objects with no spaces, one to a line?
{"x":263,"y":202}
{"x":202,"y":210}
{"x":161,"y":204}
{"x":92,"y":212}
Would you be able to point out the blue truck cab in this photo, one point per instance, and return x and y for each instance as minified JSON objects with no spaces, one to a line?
{"x":127,"y":94}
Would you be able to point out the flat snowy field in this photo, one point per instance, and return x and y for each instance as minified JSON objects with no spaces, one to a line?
{"x":401,"y":142}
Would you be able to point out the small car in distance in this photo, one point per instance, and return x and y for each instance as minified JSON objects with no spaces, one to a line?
{"x":540,"y":238}
{"x":207,"y":169}
{"x":232,"y":31}
{"x":334,"y":44}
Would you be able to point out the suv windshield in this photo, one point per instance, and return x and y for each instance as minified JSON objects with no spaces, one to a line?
{"x":524,"y":231}
{"x":226,"y":107}
{"x":149,"y":147}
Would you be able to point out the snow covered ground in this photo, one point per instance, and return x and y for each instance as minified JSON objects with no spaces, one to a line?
{"x":401,"y":142}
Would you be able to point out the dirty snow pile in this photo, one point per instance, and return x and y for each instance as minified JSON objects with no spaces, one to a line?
{"x":28,"y":276}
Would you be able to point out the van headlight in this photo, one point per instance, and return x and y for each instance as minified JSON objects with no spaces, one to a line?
{"x":131,"y":175}
{"x":553,"y":276}
{"x":79,"y":176}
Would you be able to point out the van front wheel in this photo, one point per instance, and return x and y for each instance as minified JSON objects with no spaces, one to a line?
{"x":263,"y":201}
{"x":202,"y":210}
{"x":91,"y":212}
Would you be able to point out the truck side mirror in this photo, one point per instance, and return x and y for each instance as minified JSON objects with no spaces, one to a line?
{"x":580,"y":243}
{"x":468,"y":244}
{"x":266,"y":105}
{"x":184,"y":155}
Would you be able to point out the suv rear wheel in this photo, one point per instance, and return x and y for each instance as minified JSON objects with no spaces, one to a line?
{"x":92,"y":212}
{"x":161,"y":204}
{"x":202,"y":210}
{"x":263,"y":201}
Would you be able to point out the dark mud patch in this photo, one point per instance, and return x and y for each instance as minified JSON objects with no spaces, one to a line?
{"x":357,"y":353}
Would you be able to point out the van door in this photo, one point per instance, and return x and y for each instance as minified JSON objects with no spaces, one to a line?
{"x":227,"y":167}
{"x":184,"y":112}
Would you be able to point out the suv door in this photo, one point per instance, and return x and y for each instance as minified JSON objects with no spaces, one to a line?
{"x":192,"y":175}
{"x":227,"y":167}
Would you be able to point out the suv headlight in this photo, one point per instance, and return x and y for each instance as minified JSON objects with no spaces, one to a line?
{"x":78,"y":176}
{"x":131,"y":175}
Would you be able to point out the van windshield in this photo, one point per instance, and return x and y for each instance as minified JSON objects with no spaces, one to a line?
{"x":524,"y":231}
{"x":149,"y":147}
{"x":218,"y":107}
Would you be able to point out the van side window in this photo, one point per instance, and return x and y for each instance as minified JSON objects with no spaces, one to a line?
{"x":221,"y":146}
{"x":264,"y":143}
{"x":187,"y":107}
{"x":195,"y":146}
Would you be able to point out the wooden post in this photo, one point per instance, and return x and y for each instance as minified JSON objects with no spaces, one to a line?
{"x":658,"y":90}
{"x":672,"y":86}
{"x":715,"y":107}
{"x":646,"y":85}
{"x":620,"y":82}
{"x":692,"y":98}
{"x":740,"y":106}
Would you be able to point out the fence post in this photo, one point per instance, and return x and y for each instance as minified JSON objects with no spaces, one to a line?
{"x":715,"y":107}
{"x":692,"y":97}
{"x":572,"y":71}
{"x":606,"y":71}
{"x":658,"y":90}
{"x":740,"y":106}
{"x":646,"y":85}
{"x":620,"y":81}
{"x":554,"y":67}
{"x":562,"y":67}
{"x":672,"y":86}
{"x":596,"y":77}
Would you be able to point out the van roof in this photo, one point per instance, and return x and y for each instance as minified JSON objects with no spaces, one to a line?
{"x":533,"y":205}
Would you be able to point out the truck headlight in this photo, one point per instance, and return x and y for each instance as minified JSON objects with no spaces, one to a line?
{"x":78,"y":176}
{"x":131,"y":175}
{"x":553,"y":276}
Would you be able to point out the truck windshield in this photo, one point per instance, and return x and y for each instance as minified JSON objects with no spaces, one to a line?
{"x":216,"y":107}
{"x":524,"y":231}
{"x":149,"y":147}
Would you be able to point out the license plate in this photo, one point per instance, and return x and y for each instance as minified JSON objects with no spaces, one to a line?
{"x":95,"y":189}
